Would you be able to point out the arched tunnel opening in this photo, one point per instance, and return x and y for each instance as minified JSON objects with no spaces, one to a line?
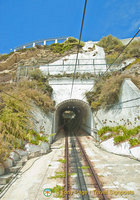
{"x":73,"y":115}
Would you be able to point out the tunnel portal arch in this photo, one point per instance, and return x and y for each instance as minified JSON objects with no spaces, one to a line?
{"x":80,"y":108}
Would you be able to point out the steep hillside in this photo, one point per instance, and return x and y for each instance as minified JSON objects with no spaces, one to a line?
{"x":16,"y":102}
{"x":106,"y":91}
{"x":35,"y":56}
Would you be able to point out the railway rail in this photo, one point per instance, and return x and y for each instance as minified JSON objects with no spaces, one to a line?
{"x":76,"y":158}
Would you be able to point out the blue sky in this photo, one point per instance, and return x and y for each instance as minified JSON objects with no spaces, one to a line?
{"x":22,"y":21}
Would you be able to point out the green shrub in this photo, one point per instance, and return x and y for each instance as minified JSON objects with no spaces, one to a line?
{"x":72,"y":40}
{"x":65,"y":46}
{"x":38,"y":75}
{"x":14,"y":120}
{"x":105,"y":137}
{"x":110,"y":44}
{"x":134,"y":142}
{"x":95,"y":105}
{"x":35,"y":142}
{"x":104,"y":130}
{"x":57,"y":189}
{"x":5,"y":148}
{"x":34,"y":137}
{"x":120,"y":133}
{"x":113,"y":47}
{"x":120,"y":138}
{"x":133,"y":50}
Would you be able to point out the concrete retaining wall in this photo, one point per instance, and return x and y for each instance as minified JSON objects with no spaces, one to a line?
{"x":122,"y":149}
{"x":86,"y":62}
{"x":126,"y":113}
{"x":135,"y":151}
{"x":42,"y":122}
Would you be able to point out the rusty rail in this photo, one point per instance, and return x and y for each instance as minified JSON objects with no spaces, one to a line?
{"x":66,"y":168}
{"x":95,"y":177}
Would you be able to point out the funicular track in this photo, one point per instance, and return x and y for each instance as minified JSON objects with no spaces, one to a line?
{"x":75,"y":155}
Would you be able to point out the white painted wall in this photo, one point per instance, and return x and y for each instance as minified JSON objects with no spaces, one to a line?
{"x":42,"y":121}
{"x":62,"y":89}
{"x":120,"y":114}
{"x":122,"y":148}
{"x":86,"y":58}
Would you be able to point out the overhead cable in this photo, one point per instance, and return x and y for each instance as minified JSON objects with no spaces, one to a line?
{"x":117,"y":57}
{"x":78,"y":47}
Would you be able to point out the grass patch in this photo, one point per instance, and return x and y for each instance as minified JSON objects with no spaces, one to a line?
{"x":62,"y":160}
{"x":120,"y":134}
{"x":58,"y":189}
{"x":84,"y":167}
{"x":72,"y":174}
{"x":58,"y":175}
{"x":87,"y":174}
{"x":62,"y":175}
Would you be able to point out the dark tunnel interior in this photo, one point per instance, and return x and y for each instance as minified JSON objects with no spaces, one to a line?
{"x":73,"y":115}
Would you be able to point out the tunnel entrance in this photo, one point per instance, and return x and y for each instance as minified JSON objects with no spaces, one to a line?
{"x":73,"y":114}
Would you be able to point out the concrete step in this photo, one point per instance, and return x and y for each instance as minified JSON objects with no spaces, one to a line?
{"x":34,"y":154}
{"x":4,"y":179}
{"x":1,"y":187}
{"x":20,"y":163}
{"x":14,"y":169}
{"x":25,"y":158}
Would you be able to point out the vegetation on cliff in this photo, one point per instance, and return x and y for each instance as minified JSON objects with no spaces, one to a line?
{"x":16,"y":102}
{"x":66,"y":46}
{"x":106,"y":90}
{"x":121,"y":134}
{"x":113,"y":46}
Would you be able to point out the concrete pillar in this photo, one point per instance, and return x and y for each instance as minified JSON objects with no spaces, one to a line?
{"x":14,"y":50}
{"x":44,"y":42}
{"x":33,"y":44}
{"x":56,"y":40}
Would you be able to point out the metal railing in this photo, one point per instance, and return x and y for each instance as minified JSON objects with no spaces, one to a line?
{"x":93,"y":66}
{"x":43,"y":41}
